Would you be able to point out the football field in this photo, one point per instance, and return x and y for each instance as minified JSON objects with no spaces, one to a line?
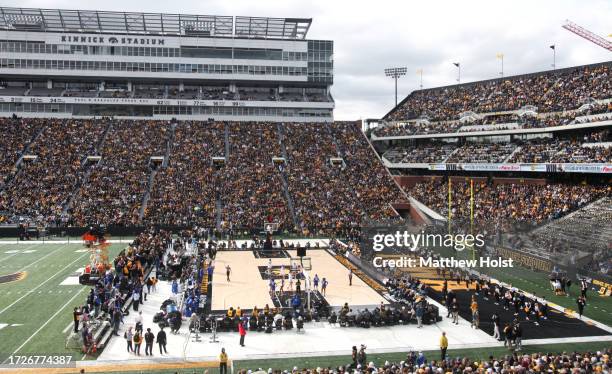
{"x":38,"y":291}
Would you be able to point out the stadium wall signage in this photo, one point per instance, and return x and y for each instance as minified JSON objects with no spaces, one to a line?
{"x":596,"y":168}
{"x":111,"y":40}
{"x":166,"y":102}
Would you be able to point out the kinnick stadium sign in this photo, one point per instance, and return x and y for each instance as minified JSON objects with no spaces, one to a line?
{"x":111,"y":40}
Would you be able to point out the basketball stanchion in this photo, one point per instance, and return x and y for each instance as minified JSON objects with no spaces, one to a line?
{"x":213,"y":328}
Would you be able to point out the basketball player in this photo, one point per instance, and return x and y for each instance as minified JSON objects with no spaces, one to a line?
{"x":272,"y":287}
{"x":350,"y":277}
{"x":324,"y":286}
{"x":228,"y":271}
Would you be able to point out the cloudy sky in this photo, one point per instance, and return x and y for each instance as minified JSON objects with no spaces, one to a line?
{"x":428,"y":35}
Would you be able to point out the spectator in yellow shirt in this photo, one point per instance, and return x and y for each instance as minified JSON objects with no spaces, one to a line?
{"x":223,"y":362}
{"x":443,"y":345}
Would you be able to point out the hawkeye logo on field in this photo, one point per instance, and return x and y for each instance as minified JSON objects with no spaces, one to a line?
{"x":77,"y":39}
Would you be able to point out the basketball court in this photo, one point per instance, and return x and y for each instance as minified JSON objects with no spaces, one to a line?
{"x":249,"y":284}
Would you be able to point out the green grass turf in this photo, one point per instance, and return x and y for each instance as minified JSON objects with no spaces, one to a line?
{"x":536,"y":282}
{"x":33,"y":301}
{"x":380,"y":358}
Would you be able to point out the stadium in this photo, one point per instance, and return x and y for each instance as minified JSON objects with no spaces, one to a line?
{"x":180,"y":182}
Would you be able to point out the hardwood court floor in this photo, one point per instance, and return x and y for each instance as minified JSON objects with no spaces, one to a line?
{"x":247,"y":288}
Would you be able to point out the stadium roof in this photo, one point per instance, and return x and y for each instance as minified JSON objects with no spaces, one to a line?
{"x":93,"y":21}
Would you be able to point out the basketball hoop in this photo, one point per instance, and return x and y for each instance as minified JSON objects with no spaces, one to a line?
{"x":270,"y":227}
{"x":304,"y":263}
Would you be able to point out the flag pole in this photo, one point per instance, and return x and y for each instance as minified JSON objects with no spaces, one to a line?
{"x":449,"y":205}
{"x":472,"y":215}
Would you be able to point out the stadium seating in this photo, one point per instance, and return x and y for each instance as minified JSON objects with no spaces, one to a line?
{"x":185,"y":191}
{"x":590,"y":148}
{"x":114,"y":191}
{"x":326,"y":177}
{"x":549,"y":92}
{"x":512,"y":202}
{"x":43,"y":186}
{"x":594,"y":113}
{"x":16,"y":135}
{"x":511,"y":363}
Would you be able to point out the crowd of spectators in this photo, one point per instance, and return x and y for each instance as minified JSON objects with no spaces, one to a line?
{"x":321,"y":198}
{"x":114,"y":191}
{"x":185,"y":191}
{"x":418,"y":363}
{"x":252,"y":192}
{"x":369,"y":181}
{"x":61,"y":148}
{"x":482,"y":153}
{"x":593,"y":147}
{"x":425,"y":153}
{"x":16,"y":135}
{"x":561,"y":152}
{"x":586,"y":230}
{"x":549,"y":91}
{"x":335,"y":195}
{"x":516,"y":202}
{"x":331,"y":173}
{"x":595,"y":113}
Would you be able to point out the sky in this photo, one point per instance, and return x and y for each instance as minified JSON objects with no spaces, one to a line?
{"x":370,"y":36}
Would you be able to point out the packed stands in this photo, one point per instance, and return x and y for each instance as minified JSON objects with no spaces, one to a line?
{"x":425,"y":153}
{"x":368,"y":179}
{"x":593,"y":147}
{"x":551,"y":91}
{"x":16,"y":135}
{"x":252,"y":192}
{"x":561,"y":152}
{"x":593,"y":113}
{"x":62,"y":147}
{"x":334,"y":178}
{"x":515,"y":202}
{"x":587,"y":229}
{"x":113,"y":192}
{"x":185,"y":191}
{"x":313,"y":178}
{"x":482,"y":153}
{"x":417,"y":362}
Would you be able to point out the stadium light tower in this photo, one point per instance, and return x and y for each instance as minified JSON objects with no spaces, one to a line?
{"x":554,"y":50}
{"x":458,"y":65}
{"x":395,"y":73}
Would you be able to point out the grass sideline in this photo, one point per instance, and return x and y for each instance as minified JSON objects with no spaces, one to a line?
{"x":37,"y":309}
{"x":536,"y":282}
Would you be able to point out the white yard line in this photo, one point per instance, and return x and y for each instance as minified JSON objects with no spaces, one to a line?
{"x":37,"y":261}
{"x":49,"y":320}
{"x":16,"y":253}
{"x":70,"y":325}
{"x":41,"y":284}
{"x":112,"y":241}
